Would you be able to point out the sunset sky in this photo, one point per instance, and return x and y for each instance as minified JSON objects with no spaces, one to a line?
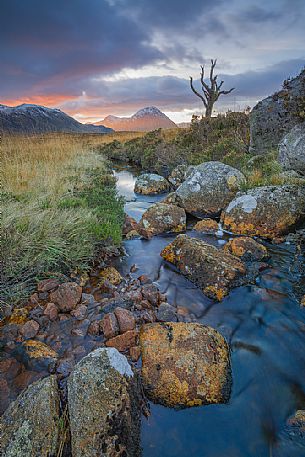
{"x":92,"y":58}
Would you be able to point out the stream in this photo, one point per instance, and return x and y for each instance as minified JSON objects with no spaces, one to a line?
{"x":264,"y":325}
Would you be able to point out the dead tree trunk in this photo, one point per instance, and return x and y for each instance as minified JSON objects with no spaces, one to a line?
{"x":212,"y":92}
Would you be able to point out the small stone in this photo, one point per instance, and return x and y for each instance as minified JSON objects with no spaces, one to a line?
{"x":135,"y":353}
{"x":80,"y":328}
{"x":88,"y":299}
{"x":129,"y":224}
{"x":94,"y":328}
{"x":144,"y":279}
{"x":112,"y":275}
{"x":303,"y":301}
{"x":110,"y":326}
{"x":132,"y":234}
{"x":246,"y":248}
{"x":51,"y":311}
{"x":47,"y":284}
{"x":206,"y":226}
{"x":150,"y":292}
{"x":19,"y":316}
{"x":124,"y":341}
{"x":125,"y":319}
{"x":30,"y":329}
{"x":67,"y":296}
{"x":166,"y":313}
{"x":133,"y":268}
{"x":79,"y":312}
{"x":135,"y":296}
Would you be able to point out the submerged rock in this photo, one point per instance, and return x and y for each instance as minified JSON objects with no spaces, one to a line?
{"x":213,"y":270}
{"x":104,"y":414}
{"x":292,"y":150}
{"x":30,"y":425}
{"x":270,"y":211}
{"x":162,"y":218}
{"x":150,"y":183}
{"x":246,"y":248}
{"x":184,"y":364}
{"x":209,"y":188}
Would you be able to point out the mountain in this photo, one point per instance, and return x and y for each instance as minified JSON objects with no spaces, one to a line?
{"x":146,"y":119}
{"x":28,"y":119}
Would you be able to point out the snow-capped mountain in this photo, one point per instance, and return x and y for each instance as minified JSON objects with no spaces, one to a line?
{"x":146,"y":119}
{"x":28,"y":118}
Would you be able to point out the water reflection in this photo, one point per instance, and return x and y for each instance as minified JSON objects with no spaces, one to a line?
{"x":266,"y":330}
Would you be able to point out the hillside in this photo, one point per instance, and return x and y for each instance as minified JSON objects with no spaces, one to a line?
{"x":146,"y":119}
{"x":28,"y":119}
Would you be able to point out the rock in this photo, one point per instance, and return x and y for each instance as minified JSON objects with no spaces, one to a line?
{"x":19,"y":316}
{"x":292,"y":150}
{"x":303,"y":301}
{"x":47,"y":284}
{"x":170,"y":199}
{"x":177,"y":176}
{"x":270,"y":211}
{"x":298,"y":420}
{"x":130,"y":224}
{"x":94,"y":328}
{"x":135,"y":353}
{"x":209,"y":189}
{"x":276,"y":115}
{"x":150,"y":183}
{"x":103,"y":410}
{"x":38,"y":355}
{"x":132,"y":234}
{"x":206,"y":226}
{"x":162,"y":218}
{"x":150,"y":292}
{"x":110,"y":326}
{"x":214,"y":271}
{"x":166,"y":313}
{"x":51,"y":311}
{"x":30,"y":425}
{"x":80,"y":312}
{"x":123,"y":342}
{"x":112,"y":275}
{"x":88,"y":299}
{"x":29,"y":329}
{"x":246,"y":248}
{"x":125,"y":319}
{"x":67,"y":296}
{"x":184,"y":364}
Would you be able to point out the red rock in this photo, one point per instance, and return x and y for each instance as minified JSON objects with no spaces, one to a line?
{"x":144,"y":279}
{"x":47,"y":284}
{"x":129,"y":224}
{"x":135,"y":352}
{"x":67,"y":296}
{"x":30,"y":329}
{"x":34,"y":299}
{"x":150,"y":292}
{"x":10,"y":368}
{"x":26,"y":378}
{"x":135,"y":295}
{"x":94,"y":328}
{"x":110,"y":325}
{"x":124,"y":341}
{"x":51,"y":311}
{"x":125,"y":319}
{"x":79,"y":312}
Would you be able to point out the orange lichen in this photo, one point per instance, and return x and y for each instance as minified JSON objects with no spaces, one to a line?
{"x":215,"y":292}
{"x":19,"y":316}
{"x":36,"y":350}
{"x":112,"y":275}
{"x":206,"y":225}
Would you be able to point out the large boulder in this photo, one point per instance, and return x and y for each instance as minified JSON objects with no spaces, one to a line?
{"x":150,"y":183}
{"x":292,"y":150}
{"x":30,"y":425}
{"x":184,"y":364}
{"x":161,"y":218}
{"x":209,"y":188}
{"x":269,"y":211}
{"x":104,"y":416}
{"x":213,"y":270}
{"x":276,"y":115}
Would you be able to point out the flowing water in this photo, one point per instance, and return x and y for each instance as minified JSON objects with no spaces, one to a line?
{"x":265,"y":328}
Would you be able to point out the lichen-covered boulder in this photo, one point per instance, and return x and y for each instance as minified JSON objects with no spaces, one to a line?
{"x":209,"y":188}
{"x":269,"y":211}
{"x":206,"y":226}
{"x":161,"y":218}
{"x":276,"y":115}
{"x":184,"y":364}
{"x":177,"y":176}
{"x":213,"y":270}
{"x":292,"y":150}
{"x":246,"y":248}
{"x":30,"y":425}
{"x":150,"y":183}
{"x":104,"y":416}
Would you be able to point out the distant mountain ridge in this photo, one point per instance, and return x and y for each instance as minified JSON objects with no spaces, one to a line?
{"x":28,"y":118}
{"x":146,"y":119}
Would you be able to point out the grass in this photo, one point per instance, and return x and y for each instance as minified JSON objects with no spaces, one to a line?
{"x":60,"y":207}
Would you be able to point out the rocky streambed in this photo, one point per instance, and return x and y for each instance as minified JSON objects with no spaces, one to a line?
{"x":213,"y":321}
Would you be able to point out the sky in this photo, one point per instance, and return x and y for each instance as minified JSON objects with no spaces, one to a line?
{"x":92,"y":58}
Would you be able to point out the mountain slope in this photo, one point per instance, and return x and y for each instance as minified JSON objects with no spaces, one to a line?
{"x":39,"y":119}
{"x":146,"y":119}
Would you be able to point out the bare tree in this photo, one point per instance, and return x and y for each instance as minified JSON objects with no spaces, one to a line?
{"x":212,"y":92}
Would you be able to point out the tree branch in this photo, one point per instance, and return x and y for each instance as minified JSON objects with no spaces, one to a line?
{"x":197,"y":93}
